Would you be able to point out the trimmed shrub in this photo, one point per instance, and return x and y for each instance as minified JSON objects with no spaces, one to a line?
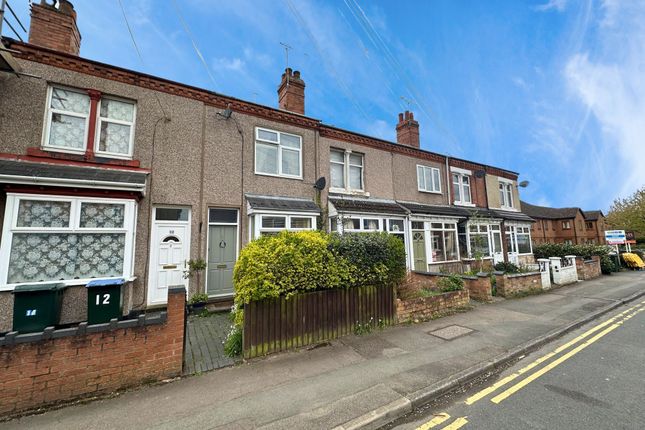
{"x":286,"y":264}
{"x":374,"y":258}
{"x":450,"y":283}
{"x":507,"y":267}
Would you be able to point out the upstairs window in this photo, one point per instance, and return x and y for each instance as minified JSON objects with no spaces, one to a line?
{"x":278,"y":154}
{"x":506,"y":194}
{"x":461,"y":189}
{"x":346,"y":170}
{"x":70,"y":113}
{"x":428,"y":179}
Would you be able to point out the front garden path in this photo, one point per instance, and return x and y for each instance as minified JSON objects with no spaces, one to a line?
{"x":205,"y":335}
{"x":328,"y":386}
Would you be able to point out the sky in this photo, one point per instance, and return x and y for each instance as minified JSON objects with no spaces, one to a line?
{"x":552,"y":89}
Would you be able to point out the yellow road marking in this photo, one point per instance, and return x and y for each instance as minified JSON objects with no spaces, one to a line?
{"x":485,"y":392}
{"x":499,"y":398}
{"x":438,"y":419}
{"x":456,"y":424}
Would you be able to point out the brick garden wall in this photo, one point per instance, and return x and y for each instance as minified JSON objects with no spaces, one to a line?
{"x":509,"y":285}
{"x":588,"y":269}
{"x":40,"y":369}
{"x":426,"y":307}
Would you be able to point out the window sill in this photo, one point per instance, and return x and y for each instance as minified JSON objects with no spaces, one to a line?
{"x":69,"y":283}
{"x":271,"y":175}
{"x":430,"y":192}
{"x":349,"y":192}
{"x":83,"y":157}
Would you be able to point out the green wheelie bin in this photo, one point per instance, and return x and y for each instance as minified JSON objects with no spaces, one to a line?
{"x":36,"y":306}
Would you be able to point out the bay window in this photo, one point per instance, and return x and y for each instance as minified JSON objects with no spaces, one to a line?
{"x":346,"y":170}
{"x":428,"y":179}
{"x":70,"y":239}
{"x":278,"y":153}
{"x":271,"y":224}
{"x":68,"y":118}
{"x":461,"y":189}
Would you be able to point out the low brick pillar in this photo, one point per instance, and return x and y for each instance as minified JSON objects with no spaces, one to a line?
{"x":54,"y":366}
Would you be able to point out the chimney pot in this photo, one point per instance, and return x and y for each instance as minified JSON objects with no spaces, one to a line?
{"x":291,"y":92}
{"x":407,"y":130}
{"x":55,"y":27}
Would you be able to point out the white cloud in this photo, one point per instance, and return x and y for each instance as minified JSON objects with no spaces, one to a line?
{"x":610,"y":84}
{"x":558,"y":5}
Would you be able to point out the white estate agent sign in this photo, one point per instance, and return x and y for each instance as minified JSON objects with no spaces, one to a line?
{"x":615,"y":237}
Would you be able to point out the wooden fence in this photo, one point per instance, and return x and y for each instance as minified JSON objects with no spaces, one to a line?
{"x":280,"y":324}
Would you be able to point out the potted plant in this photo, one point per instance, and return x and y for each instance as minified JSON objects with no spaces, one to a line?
{"x":197,"y":301}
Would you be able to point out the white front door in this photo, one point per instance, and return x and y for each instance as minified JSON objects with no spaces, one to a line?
{"x":169,"y":252}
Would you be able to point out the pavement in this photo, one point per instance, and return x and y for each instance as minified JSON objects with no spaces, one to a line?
{"x":591,"y":378}
{"x":357,"y":381}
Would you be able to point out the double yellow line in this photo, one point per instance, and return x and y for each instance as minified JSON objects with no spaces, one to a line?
{"x":608,"y":326}
{"x":601,"y":330}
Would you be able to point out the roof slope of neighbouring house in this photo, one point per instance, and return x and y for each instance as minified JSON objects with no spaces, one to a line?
{"x":544,"y":212}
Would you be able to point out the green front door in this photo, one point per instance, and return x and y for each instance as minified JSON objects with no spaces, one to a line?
{"x":222,"y":253}
{"x":419,"y":250}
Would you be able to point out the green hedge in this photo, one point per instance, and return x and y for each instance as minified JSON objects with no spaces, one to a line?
{"x":296,"y":262}
{"x":546,"y":250}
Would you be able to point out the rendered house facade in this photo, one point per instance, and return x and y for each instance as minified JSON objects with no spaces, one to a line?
{"x":106,"y":172}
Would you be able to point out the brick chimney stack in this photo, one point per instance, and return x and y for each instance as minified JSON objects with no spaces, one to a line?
{"x":407,"y":130}
{"x":291,"y":93}
{"x":53,"y":26}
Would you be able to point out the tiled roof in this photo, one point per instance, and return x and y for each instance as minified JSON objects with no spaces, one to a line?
{"x":281,"y":203}
{"x":512,"y":216}
{"x":45,"y":171}
{"x":348,"y":204}
{"x":548,"y":213}
{"x":440,"y":210}
{"x":592,"y":215}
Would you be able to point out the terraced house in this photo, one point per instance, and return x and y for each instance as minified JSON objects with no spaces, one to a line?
{"x":107,"y":172}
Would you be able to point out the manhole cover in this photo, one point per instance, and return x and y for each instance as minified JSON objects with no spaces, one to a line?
{"x":451,"y":332}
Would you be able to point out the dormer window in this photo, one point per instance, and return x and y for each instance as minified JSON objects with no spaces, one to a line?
{"x":70,"y":114}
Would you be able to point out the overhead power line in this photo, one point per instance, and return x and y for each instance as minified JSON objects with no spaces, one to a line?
{"x":192,"y":40}
{"x":136,"y":48}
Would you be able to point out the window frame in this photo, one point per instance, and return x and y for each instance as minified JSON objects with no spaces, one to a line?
{"x":279,"y":146}
{"x":424,"y":169}
{"x":347,"y":171}
{"x":10,"y":228}
{"x":460,"y":175}
{"x":257,"y":230}
{"x":48,"y":120}
{"x":506,"y":189}
{"x":99,"y":120}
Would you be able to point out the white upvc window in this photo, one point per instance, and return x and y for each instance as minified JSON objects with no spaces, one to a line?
{"x":67,"y":120}
{"x":115,"y":128}
{"x":65,"y":239}
{"x":68,"y":116}
{"x":428,"y":179}
{"x":278,"y":153}
{"x":346,"y":170}
{"x":506,"y":194}
{"x":461,"y":189}
{"x":273,"y":223}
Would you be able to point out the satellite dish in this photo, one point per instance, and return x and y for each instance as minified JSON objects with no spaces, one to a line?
{"x":321,"y":183}
{"x":480,"y":173}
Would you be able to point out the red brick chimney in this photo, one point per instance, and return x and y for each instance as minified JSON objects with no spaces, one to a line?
{"x":407,"y":130}
{"x":291,"y":93}
{"x":54,"y":26}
